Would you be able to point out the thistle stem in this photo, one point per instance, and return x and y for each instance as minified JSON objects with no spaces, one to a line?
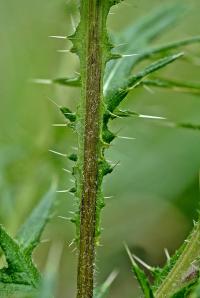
{"x":92,"y":70}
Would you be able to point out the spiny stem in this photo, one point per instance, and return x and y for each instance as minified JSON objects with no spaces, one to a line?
{"x":92,"y":96}
{"x":175,"y":278}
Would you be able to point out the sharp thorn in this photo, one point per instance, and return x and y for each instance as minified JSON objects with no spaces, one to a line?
{"x":71,"y":193}
{"x":54,"y":102}
{"x":110,"y":279}
{"x":59,"y":125}
{"x":73,"y":22}
{"x":71,"y":243}
{"x":58,"y":36}
{"x":129,"y":254}
{"x":63,"y":51}
{"x":151,"y":117}
{"x":63,"y":191}
{"x":130,"y":55}
{"x":147,"y":88}
{"x":108,"y":197}
{"x":126,"y":138}
{"x":167,"y":254}
{"x":75,"y":249}
{"x":120,"y":45}
{"x":45,"y":241}
{"x":64,"y":217}
{"x":58,"y":153}
{"x":42,"y":81}
{"x":68,"y":171}
{"x":115,"y":164}
{"x":142,"y":262}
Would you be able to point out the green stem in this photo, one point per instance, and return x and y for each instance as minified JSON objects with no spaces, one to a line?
{"x":92,"y":68}
{"x":178,"y":275}
{"x":91,"y":44}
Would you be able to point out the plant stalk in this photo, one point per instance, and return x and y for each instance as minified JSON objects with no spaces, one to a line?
{"x":92,"y":90}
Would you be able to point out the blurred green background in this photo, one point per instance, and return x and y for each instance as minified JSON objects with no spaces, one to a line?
{"x":155,"y":189}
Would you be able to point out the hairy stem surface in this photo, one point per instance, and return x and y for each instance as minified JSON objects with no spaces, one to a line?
{"x":92,"y":69}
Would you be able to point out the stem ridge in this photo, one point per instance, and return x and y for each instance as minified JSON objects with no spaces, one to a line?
{"x":94,"y":52}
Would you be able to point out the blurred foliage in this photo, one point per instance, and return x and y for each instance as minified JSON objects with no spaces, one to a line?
{"x":155,"y":188}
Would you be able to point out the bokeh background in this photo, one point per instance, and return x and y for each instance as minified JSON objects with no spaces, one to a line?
{"x":155,"y":189}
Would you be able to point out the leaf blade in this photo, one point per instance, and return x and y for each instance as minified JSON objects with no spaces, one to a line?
{"x":116,"y":98}
{"x":142,"y":32}
{"x":29,"y":234}
{"x":141,"y":277}
{"x":179,"y":86}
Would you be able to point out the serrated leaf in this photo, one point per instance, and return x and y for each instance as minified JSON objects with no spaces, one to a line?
{"x":168,"y":47}
{"x":20,"y":274}
{"x":20,"y":268}
{"x":117,"y":96}
{"x":141,"y":277}
{"x":142,"y":34}
{"x":163,"y":272}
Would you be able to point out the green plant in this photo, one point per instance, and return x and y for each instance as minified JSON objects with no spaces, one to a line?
{"x":106,"y":79}
{"x":21,"y":275}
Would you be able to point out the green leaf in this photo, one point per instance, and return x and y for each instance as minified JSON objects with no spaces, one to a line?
{"x":168,"y":47}
{"x":163,"y":272}
{"x":117,"y":96}
{"x":20,"y":268}
{"x":30,"y":233}
{"x":20,"y":274}
{"x":142,"y":34}
{"x":179,"y":86}
{"x":141,"y":277}
{"x":69,"y":115}
{"x":190,"y":126}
